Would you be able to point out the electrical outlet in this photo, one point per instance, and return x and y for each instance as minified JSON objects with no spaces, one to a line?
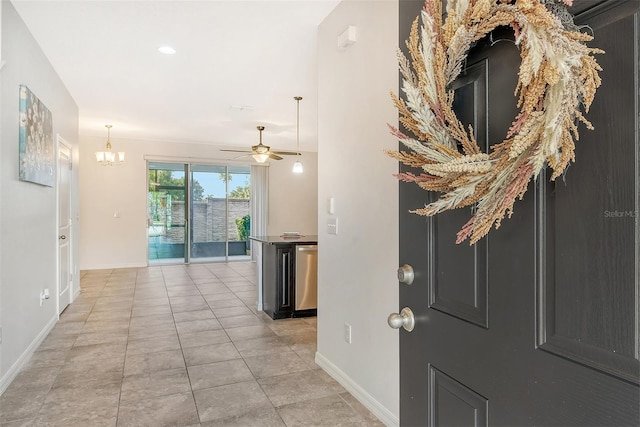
{"x":347,"y":333}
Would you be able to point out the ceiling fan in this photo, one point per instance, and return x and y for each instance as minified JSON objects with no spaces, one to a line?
{"x":263,"y":152}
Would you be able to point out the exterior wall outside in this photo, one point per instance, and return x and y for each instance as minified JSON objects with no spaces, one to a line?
{"x":28,"y":223}
{"x":206,"y":223}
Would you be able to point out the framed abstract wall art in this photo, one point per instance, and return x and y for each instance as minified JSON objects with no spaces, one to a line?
{"x":37,"y":153}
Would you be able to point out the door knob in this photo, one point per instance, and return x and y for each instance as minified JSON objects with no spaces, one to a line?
{"x":62,"y":237}
{"x":405,"y":274}
{"x":405,"y":320}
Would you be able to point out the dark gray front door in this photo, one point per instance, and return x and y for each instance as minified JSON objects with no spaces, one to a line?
{"x":538,"y":323}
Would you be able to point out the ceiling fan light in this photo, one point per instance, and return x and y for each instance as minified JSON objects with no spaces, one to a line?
{"x":260,"y":158}
{"x":297,"y":167}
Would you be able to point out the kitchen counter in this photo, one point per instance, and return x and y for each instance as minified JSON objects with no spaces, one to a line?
{"x":289,"y":240}
{"x":287,"y":275}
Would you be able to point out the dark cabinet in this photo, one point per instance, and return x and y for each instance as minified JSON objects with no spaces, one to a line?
{"x":279,"y":283}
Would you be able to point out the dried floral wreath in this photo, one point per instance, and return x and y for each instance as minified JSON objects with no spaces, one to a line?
{"x":558,"y":73}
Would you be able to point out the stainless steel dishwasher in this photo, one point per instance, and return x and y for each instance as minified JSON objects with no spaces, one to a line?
{"x":306,"y":277}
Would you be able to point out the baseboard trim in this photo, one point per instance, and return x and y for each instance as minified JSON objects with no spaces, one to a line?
{"x":376,"y":408}
{"x":15,"y":369}
{"x":113,"y":266}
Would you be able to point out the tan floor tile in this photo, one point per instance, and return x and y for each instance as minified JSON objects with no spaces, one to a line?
{"x":271,"y":365}
{"x":154,"y":384}
{"x":219,"y":373}
{"x":193,"y":315}
{"x":230,"y":400}
{"x":43,"y":358}
{"x":140,"y":332}
{"x":261,"y":346}
{"x":232,"y":302}
{"x":267,"y":417}
{"x":154,"y":344}
{"x":87,"y":402}
{"x":179,"y":308}
{"x":198,"y":326}
{"x":232,"y":311}
{"x":238,"y":321}
{"x":198,"y":339}
{"x":210,"y":354}
{"x":249,"y":332}
{"x":105,"y":370}
{"x":299,"y":386}
{"x":150,"y":302}
{"x":58,"y":342}
{"x":96,"y":351}
{"x":327,"y":411}
{"x":21,"y":405}
{"x":370,"y":419}
{"x":34,"y":379}
{"x":115,"y":336}
{"x":150,"y":311}
{"x":172,"y":410}
{"x":151,"y":362}
{"x":173,"y":330}
{"x":151,"y":320}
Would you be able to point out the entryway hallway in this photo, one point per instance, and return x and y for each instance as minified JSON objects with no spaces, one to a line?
{"x":177,"y":345}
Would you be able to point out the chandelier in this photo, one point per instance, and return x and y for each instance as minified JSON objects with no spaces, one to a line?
{"x":108,"y":157}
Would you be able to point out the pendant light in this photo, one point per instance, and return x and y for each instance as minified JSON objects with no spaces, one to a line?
{"x":297,"y":166}
{"x":108,"y":157}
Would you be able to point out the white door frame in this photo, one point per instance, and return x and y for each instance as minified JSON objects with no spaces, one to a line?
{"x":71,"y":268}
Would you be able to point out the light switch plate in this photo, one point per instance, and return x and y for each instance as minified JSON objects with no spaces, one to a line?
{"x":332,"y":226}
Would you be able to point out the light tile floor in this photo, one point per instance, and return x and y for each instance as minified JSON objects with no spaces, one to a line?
{"x":177,"y":346}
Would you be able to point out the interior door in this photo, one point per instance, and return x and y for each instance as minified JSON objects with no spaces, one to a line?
{"x":537,"y":324}
{"x":64,"y":292}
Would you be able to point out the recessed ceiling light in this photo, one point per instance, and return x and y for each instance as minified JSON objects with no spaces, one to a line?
{"x":167,"y":50}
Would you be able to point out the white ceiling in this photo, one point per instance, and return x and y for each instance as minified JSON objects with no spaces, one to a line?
{"x":230,"y":54}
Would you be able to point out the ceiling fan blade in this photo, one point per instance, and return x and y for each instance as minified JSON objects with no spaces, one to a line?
{"x":274,"y":156}
{"x":236,"y":151}
{"x":286,"y":153}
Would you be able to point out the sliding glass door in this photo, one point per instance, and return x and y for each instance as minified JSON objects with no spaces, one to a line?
{"x":238,"y":216}
{"x":167,"y":206}
{"x":217,"y":208}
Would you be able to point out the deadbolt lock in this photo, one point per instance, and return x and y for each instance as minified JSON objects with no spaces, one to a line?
{"x":405,"y":274}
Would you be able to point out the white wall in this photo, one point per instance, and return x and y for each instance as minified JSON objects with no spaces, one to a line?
{"x":293,"y":198}
{"x":357,"y":268}
{"x":108,"y":242}
{"x":28,"y":222}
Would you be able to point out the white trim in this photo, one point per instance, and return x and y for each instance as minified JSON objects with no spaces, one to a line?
{"x":376,"y":408}
{"x":200,"y":160}
{"x":60,"y":141}
{"x":24,"y":358}
{"x":120,"y":265}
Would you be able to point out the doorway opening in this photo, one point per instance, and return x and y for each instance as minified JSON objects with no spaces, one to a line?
{"x":198,"y":213}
